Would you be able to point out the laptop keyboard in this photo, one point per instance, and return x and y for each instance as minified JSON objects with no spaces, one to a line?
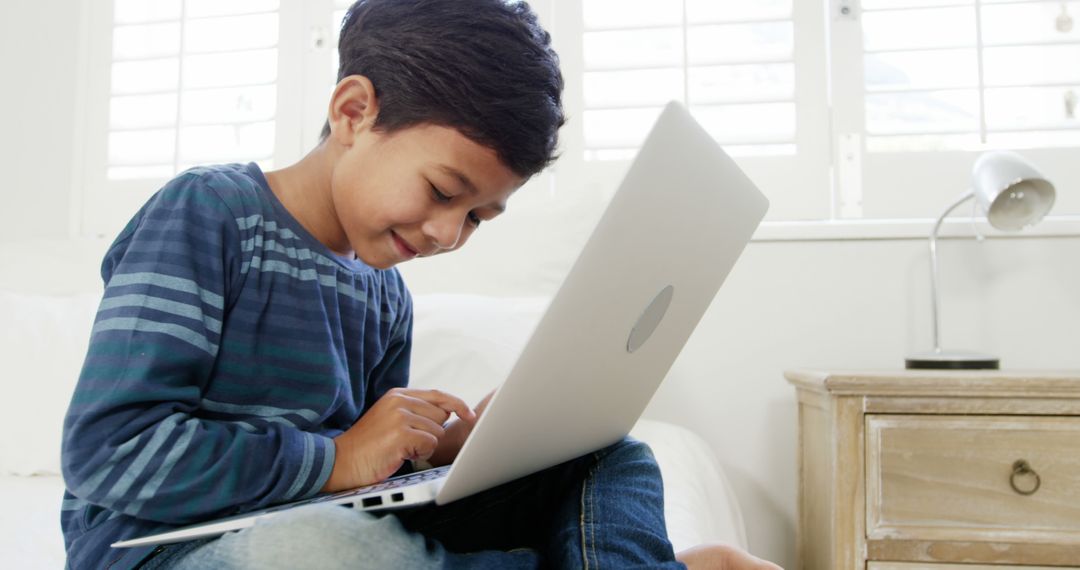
{"x":392,"y":483}
{"x":409,"y":479}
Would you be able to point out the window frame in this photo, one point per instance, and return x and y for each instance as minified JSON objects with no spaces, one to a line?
{"x":808,"y":167}
{"x":830,"y":106}
{"x":100,"y":207}
{"x":824,"y":40}
{"x":914,"y":187}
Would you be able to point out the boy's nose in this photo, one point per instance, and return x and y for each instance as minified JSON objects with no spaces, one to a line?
{"x":444,"y":229}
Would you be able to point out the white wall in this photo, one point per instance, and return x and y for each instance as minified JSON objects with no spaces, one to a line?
{"x":832,"y":304}
{"x":38,"y":69}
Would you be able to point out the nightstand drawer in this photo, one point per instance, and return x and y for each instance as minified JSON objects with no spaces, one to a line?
{"x":952,"y":478}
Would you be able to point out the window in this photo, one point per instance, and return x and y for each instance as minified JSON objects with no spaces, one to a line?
{"x":868,"y":111}
{"x":188,"y":82}
{"x":730,"y":62}
{"x":753,"y":73}
{"x":941,"y":81}
{"x":994,"y":72}
{"x":838,"y":110}
{"x":192,"y":82}
{"x":340,"y":7}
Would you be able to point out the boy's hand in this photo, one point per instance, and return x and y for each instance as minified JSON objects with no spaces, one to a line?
{"x":457,"y":431}
{"x":404,"y":425}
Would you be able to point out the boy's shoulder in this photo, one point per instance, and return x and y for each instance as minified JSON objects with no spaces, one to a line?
{"x":208,"y":196}
{"x":238,"y":186}
{"x":207,"y":200}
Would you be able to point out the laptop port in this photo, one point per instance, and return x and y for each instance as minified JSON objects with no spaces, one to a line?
{"x":397,"y":497}
{"x":371,"y":502}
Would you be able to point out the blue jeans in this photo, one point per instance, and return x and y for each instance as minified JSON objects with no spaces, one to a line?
{"x":602,"y":510}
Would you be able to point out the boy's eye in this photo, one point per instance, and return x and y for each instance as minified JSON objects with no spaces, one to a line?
{"x":439,"y":196}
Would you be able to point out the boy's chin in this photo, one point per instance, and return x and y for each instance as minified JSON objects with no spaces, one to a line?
{"x":378,"y":262}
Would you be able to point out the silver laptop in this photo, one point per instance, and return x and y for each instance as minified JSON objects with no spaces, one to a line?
{"x":668,"y":239}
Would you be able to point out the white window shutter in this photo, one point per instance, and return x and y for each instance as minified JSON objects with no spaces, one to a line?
{"x":947,"y":79}
{"x":192,"y":82}
{"x":178,"y":83}
{"x":977,"y":73}
{"x":731,"y":62}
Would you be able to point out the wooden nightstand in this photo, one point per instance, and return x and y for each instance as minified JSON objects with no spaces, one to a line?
{"x":938,"y":470}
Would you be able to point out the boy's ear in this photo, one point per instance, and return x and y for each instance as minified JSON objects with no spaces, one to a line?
{"x":353,"y":108}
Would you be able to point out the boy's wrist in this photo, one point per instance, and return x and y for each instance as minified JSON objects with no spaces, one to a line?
{"x":333,"y":482}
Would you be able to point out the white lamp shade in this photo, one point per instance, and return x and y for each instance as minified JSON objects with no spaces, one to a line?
{"x":1012,"y":192}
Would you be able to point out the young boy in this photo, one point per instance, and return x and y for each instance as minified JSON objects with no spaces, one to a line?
{"x":252,"y":346}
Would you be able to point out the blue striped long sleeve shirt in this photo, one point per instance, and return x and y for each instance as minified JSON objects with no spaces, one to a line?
{"x":229,"y":348}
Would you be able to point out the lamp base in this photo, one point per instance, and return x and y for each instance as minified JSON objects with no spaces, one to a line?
{"x":952,"y":360}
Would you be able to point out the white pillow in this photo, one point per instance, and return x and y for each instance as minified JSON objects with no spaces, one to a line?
{"x":43,"y":342}
{"x":466,"y":344}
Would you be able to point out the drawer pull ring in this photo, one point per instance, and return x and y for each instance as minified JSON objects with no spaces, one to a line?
{"x":1021,"y":468}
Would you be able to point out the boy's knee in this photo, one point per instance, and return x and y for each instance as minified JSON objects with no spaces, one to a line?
{"x":629,"y":454}
{"x":322,"y":528}
{"x":631,"y":448}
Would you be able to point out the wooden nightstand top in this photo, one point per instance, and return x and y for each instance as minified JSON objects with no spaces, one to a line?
{"x":940,"y":383}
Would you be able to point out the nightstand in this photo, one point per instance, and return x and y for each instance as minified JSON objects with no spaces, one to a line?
{"x":938,"y":470}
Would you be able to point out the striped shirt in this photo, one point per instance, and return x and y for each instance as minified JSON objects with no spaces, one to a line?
{"x":229,"y":349}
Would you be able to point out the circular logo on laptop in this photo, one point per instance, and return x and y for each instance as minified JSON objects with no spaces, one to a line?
{"x":649,"y":319}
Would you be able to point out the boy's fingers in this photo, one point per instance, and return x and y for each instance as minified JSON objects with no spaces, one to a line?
{"x":420,"y":446}
{"x":425,"y":424}
{"x":446,"y":402}
{"x":421,"y":407}
{"x":484,"y":403}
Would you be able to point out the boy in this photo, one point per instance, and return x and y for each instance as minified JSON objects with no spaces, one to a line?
{"x":252,"y":346}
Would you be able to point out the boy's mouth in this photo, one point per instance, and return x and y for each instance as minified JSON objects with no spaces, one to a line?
{"x":403,"y":247}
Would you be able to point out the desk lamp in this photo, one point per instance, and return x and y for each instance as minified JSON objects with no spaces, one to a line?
{"x":1013,"y":195}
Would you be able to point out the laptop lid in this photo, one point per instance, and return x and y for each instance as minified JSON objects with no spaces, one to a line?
{"x":664,"y":245}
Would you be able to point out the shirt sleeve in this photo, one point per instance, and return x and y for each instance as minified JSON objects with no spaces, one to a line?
{"x":393,"y":370}
{"x":133,"y":441}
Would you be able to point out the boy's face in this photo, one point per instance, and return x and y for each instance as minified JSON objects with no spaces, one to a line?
{"x":419,"y":191}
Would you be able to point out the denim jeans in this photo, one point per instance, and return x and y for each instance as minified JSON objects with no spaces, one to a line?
{"x":602,"y":510}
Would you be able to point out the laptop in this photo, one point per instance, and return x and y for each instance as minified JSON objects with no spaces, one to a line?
{"x":668,"y":239}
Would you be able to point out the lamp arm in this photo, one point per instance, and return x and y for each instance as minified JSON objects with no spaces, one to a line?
{"x":935,"y":295}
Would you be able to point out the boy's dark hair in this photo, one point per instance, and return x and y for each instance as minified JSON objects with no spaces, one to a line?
{"x":483,"y":67}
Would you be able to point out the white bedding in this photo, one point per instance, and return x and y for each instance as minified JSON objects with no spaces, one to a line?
{"x":30,"y":526}
{"x":699,"y":504}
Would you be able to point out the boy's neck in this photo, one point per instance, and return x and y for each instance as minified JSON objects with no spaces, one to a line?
{"x":304,"y":189}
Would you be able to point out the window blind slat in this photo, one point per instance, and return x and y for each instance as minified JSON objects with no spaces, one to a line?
{"x":732,"y":62}
{"x":212,"y":98}
{"x":917,"y":99}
